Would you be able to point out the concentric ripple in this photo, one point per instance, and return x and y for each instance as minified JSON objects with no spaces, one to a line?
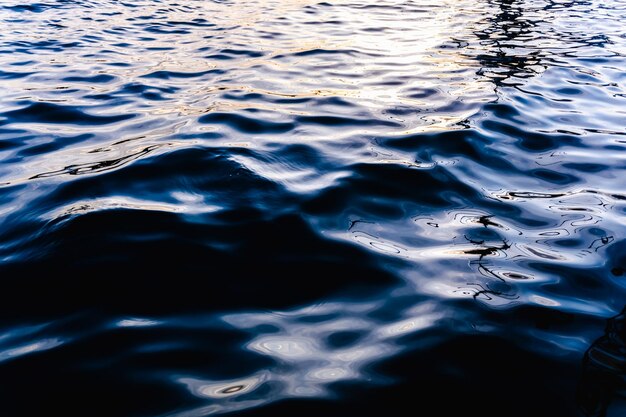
{"x":298,"y":207}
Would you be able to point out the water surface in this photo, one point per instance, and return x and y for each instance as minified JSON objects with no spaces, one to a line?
{"x":294,"y":207}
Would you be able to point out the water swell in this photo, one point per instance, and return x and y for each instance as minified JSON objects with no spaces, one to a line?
{"x":303,"y":207}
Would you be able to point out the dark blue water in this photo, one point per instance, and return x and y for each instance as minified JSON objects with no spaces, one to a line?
{"x":303,"y":208}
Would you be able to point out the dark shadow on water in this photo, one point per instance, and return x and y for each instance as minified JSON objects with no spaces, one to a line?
{"x":500,"y":61}
{"x":517,"y":44}
{"x":602,"y":387}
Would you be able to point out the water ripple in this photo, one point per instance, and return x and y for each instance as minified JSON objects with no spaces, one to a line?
{"x":298,"y":207}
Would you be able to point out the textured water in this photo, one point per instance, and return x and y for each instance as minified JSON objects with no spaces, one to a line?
{"x":303,"y":208}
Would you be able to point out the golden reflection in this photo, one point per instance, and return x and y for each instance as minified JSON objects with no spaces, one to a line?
{"x":374,"y":60}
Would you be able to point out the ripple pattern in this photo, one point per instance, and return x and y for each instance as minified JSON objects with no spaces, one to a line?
{"x":304,"y":207}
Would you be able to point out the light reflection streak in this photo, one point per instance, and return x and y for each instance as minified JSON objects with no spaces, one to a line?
{"x":305,"y":361}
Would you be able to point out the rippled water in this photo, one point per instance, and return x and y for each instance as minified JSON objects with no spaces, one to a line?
{"x":292,"y":207}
